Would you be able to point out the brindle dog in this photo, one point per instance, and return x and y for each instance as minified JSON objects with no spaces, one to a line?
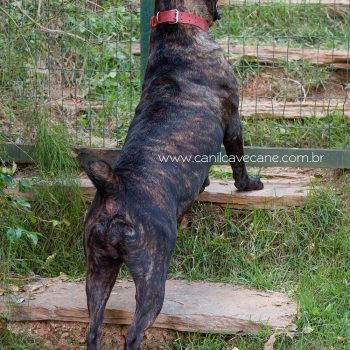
{"x":189,"y":106}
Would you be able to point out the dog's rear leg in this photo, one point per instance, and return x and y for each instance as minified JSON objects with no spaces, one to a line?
{"x":233,"y":142}
{"x":100,"y":279}
{"x":150,"y":288}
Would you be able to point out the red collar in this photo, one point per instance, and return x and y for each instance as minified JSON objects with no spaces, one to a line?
{"x":175,"y":16}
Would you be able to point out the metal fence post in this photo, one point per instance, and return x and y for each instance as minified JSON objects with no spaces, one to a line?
{"x":147,"y":9}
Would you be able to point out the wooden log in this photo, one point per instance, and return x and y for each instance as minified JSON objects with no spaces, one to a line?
{"x":277,"y":194}
{"x":264,"y":54}
{"x":264,"y":108}
{"x":269,"y":108}
{"x":328,"y":3}
{"x":188,"y":307}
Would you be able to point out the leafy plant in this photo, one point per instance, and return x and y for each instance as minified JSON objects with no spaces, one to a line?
{"x":15,"y":232}
{"x":56,"y":210}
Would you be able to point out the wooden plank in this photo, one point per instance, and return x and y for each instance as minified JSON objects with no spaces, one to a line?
{"x":22,"y":154}
{"x":281,"y":193}
{"x":275,"y":195}
{"x":271,"y":108}
{"x":264,"y":108}
{"x":11,"y":152}
{"x":264,"y":54}
{"x":328,"y":3}
{"x":188,"y":307}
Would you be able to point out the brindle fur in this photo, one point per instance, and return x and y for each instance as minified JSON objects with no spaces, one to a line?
{"x":189,"y":106}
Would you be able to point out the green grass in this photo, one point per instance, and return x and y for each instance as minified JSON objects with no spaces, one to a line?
{"x":308,"y":26}
{"x":216,"y":342}
{"x":56,"y":213}
{"x":11,"y":341}
{"x":328,"y":132}
{"x":283,"y":80}
{"x":273,"y":250}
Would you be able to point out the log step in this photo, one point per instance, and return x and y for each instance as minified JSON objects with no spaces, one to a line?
{"x":276,"y":194}
{"x":188,"y":307}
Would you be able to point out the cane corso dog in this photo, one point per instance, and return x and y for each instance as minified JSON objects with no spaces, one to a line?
{"x":188,"y":107}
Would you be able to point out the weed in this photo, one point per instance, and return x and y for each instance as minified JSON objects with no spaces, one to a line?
{"x":216,"y":342}
{"x":283,"y":24}
{"x":56,"y":213}
{"x":328,"y":132}
{"x":302,"y":252}
{"x":11,"y":341}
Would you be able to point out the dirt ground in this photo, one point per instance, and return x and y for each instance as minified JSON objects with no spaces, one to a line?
{"x":71,"y":335}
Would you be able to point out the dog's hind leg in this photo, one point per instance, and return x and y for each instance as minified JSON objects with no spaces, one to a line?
{"x":150,"y":289}
{"x":233,"y":142}
{"x":101,"y":275}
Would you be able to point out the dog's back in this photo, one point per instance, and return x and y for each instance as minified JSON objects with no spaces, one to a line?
{"x":188,"y":95}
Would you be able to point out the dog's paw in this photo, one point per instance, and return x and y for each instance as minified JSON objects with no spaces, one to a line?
{"x":253,"y":184}
{"x":205,"y":184}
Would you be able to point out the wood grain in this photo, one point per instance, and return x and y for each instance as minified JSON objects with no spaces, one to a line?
{"x":272,"y":109}
{"x":191,"y":307}
{"x":328,"y":3}
{"x":279,"y":193}
{"x":273,"y":54}
{"x":275,"y":195}
{"x":264,"y":54}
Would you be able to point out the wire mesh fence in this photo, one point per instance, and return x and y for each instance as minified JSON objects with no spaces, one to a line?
{"x":69,"y":62}
{"x":78,"y":63}
{"x":292,"y":61}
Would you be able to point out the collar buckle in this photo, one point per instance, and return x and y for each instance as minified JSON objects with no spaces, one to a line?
{"x":177,"y":15}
